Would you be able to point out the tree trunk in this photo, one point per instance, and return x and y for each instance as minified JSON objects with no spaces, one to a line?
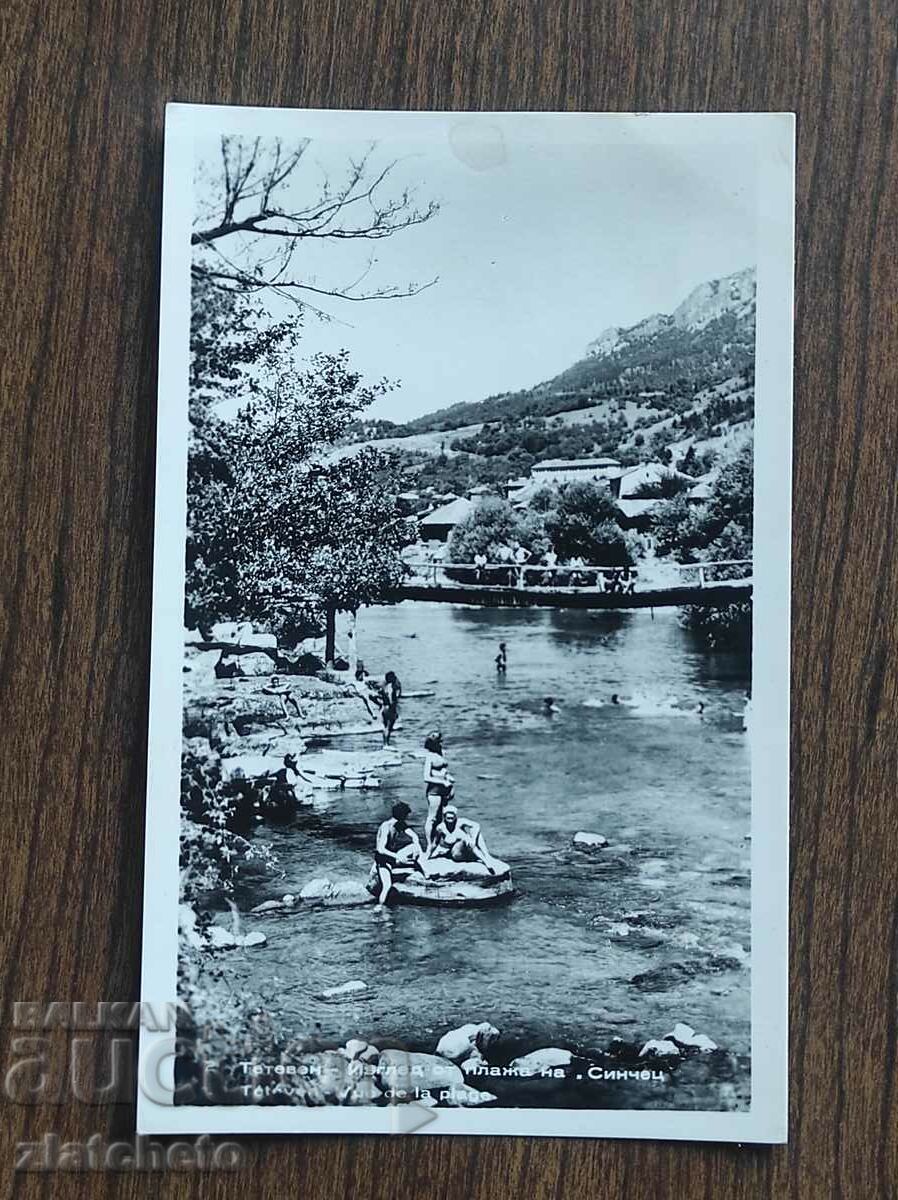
{"x":352,"y":641}
{"x":330,"y":636}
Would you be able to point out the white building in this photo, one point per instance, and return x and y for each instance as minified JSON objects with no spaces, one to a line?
{"x":567,"y":470}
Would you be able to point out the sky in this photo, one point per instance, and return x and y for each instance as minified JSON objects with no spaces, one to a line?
{"x":536,"y":250}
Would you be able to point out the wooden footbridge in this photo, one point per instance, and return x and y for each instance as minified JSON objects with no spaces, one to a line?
{"x":504,"y":585}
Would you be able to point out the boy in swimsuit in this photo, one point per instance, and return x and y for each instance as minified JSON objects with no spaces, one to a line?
{"x":397,"y":849}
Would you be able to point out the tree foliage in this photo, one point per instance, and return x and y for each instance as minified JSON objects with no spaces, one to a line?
{"x":279,"y":530}
{"x":576,"y":520}
{"x":493,"y":526}
{"x":696,"y":532}
{"x":583,"y":524}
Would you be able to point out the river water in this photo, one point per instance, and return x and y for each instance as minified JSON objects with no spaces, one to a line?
{"x":626,"y":942}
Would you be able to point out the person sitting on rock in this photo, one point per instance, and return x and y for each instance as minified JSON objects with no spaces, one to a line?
{"x":284,"y":693}
{"x":397,"y":850}
{"x":367,"y":691}
{"x":280,"y":796}
{"x":459,"y":840}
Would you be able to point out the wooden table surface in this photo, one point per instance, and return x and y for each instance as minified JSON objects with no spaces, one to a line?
{"x":82,"y":88}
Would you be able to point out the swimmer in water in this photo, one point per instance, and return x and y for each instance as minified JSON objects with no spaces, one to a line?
{"x":501,"y":660}
{"x":550,"y":708}
{"x":615,"y":698}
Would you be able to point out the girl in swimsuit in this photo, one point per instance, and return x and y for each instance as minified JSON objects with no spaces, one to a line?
{"x":438,"y":784}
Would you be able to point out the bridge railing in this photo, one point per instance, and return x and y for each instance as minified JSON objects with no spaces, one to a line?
{"x":586,"y":576}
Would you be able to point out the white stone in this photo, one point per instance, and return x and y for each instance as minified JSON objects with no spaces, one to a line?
{"x":475,"y":1064}
{"x":341,"y":891}
{"x":401,"y":1069}
{"x":351,"y":988}
{"x":542,"y":1060}
{"x":660,"y":1048}
{"x":220,"y":939}
{"x":589,"y":841}
{"x":256,"y":938}
{"x":459,"y":1043}
{"x":354,"y":1048}
{"x":685,"y":1035}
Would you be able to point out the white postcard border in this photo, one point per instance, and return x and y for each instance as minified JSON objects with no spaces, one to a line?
{"x":769,"y":135}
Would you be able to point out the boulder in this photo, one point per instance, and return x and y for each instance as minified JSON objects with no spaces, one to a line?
{"x":660,"y":1048}
{"x":474,"y":1064}
{"x":354,"y":1048}
{"x":201,"y":666}
{"x":404,"y":1069}
{"x":542,"y":1060}
{"x":219,"y":938}
{"x":187,"y":927}
{"x":227,"y":631}
{"x":251,"y":665}
{"x":459,"y":1043}
{"x":686,"y":1037}
{"x":341,"y":891}
{"x":589,"y":842}
{"x":268,"y":906}
{"x":352,"y":989}
{"x":241,"y":633}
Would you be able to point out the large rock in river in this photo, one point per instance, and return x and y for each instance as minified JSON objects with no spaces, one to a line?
{"x":542,"y":1060}
{"x":461,"y":1043}
{"x":589,"y":843}
{"x":407,"y":1070}
{"x":336,"y":891}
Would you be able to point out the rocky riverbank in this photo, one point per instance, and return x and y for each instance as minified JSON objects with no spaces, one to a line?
{"x":641,"y":919}
{"x":474,"y":1066}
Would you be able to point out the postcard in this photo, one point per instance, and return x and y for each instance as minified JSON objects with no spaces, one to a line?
{"x":469,"y":721}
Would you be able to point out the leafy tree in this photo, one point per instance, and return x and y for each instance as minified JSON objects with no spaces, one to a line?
{"x":686,"y":531}
{"x":583,"y":523}
{"x":279,"y":527}
{"x":668,"y":484}
{"x":494,"y":523}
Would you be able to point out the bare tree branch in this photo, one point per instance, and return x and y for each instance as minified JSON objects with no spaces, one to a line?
{"x":258,"y":193}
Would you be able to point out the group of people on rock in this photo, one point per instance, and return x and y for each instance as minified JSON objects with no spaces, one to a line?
{"x":398,"y":850}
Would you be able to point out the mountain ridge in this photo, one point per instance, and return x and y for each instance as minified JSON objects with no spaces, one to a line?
{"x":708,"y":337}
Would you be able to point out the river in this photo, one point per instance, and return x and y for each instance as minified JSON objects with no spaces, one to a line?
{"x":668,"y":904}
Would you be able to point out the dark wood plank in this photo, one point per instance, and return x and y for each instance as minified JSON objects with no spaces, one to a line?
{"x":82,"y":88}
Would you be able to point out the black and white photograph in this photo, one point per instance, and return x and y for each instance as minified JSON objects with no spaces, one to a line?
{"x":468,"y":768}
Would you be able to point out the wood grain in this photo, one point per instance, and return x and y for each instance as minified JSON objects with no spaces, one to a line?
{"x":83,"y":86}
